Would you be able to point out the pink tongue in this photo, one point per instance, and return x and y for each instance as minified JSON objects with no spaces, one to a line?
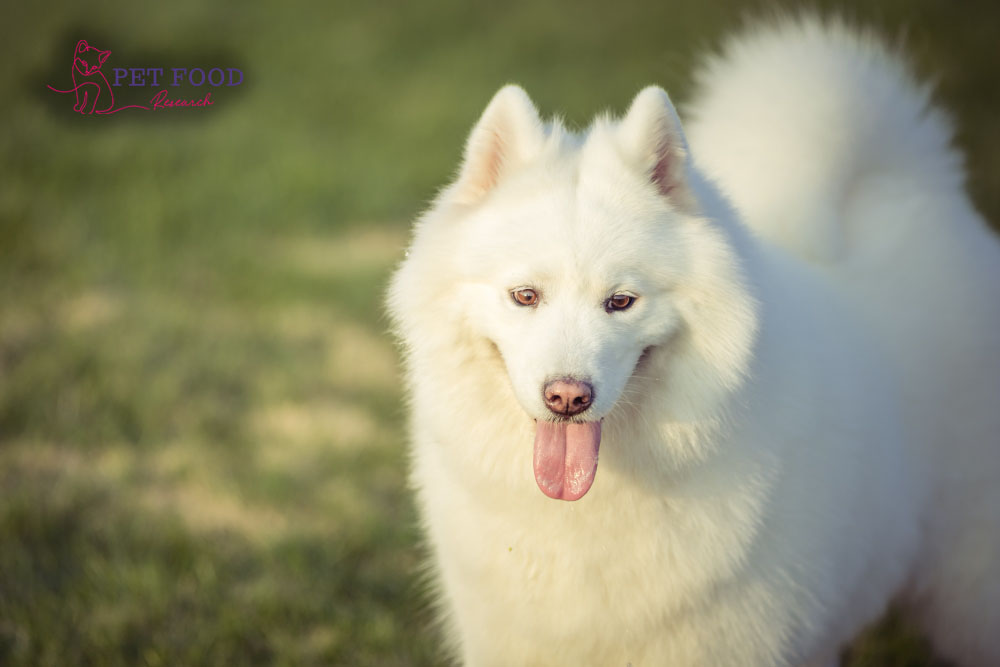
{"x":566,"y":458}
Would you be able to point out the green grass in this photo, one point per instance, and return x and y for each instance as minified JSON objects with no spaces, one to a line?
{"x":201,"y":438}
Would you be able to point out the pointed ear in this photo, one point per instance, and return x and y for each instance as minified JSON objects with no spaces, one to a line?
{"x":508,"y":134}
{"x":103,"y":55}
{"x":652,"y":138}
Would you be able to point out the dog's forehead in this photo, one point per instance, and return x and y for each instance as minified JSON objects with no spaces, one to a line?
{"x":559,"y":234}
{"x":572,"y":193}
{"x":574,"y":217}
{"x":577,"y":210}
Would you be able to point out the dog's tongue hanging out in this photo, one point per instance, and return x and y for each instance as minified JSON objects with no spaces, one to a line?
{"x":566,"y":458}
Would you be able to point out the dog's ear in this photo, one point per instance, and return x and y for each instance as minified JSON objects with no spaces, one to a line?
{"x":651,"y":137}
{"x":508,"y":133}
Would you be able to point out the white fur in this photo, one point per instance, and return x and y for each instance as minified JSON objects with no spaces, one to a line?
{"x":800,"y":421}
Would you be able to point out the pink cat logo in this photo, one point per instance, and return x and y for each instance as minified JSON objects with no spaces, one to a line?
{"x":91,"y":87}
{"x":94,"y":94}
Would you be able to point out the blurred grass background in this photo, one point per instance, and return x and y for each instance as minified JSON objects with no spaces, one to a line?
{"x":201,"y":442}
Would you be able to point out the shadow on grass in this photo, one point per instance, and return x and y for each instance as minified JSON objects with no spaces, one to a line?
{"x":93,"y":573}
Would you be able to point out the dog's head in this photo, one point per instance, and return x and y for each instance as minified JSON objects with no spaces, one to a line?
{"x":578,"y":257}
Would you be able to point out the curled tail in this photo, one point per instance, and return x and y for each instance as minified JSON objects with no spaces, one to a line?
{"x":798,"y":118}
{"x":73,"y":89}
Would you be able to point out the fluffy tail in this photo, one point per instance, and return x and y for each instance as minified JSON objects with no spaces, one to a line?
{"x":798,"y":118}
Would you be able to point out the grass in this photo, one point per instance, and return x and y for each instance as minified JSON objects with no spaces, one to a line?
{"x":201,"y":439}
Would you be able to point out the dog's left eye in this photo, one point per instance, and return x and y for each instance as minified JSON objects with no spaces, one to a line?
{"x":619,"y":302}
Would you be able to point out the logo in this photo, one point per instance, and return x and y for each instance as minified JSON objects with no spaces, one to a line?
{"x":94,"y":94}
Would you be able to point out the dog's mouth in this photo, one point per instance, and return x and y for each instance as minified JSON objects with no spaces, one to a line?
{"x":565,"y":457}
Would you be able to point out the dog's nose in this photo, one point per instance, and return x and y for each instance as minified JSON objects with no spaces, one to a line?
{"x":568,"y":397}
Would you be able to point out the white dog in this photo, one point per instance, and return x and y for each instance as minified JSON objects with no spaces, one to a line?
{"x":784,"y":340}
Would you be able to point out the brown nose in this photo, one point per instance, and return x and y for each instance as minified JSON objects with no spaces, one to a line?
{"x":568,"y":397}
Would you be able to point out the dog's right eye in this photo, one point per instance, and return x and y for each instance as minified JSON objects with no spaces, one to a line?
{"x":525,"y":296}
